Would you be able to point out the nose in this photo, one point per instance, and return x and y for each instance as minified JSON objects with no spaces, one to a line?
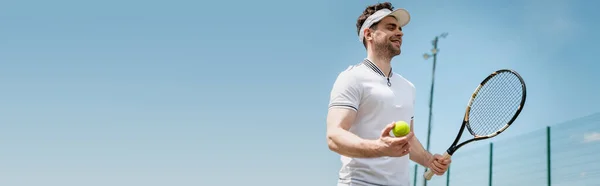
{"x":399,"y":33}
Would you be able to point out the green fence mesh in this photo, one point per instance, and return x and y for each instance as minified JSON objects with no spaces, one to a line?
{"x":563,"y":154}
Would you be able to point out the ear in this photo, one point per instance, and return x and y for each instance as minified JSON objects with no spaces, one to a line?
{"x":368,"y":34}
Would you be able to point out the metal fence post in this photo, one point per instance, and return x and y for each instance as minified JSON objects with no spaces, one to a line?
{"x":448,"y":177}
{"x":549,"y":171}
{"x":491,"y":161}
{"x":415,"y":175}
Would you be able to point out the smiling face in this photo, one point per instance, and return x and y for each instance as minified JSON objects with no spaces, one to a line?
{"x":386,"y":37}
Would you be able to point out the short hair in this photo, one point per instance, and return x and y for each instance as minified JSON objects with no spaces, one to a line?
{"x":370,"y":10}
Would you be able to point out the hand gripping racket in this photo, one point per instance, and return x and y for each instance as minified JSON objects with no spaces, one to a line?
{"x":493,"y":107}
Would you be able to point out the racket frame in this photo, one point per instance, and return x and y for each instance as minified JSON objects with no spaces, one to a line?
{"x":465,"y":123}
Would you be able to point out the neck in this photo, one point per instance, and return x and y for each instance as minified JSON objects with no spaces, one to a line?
{"x":382,"y":62}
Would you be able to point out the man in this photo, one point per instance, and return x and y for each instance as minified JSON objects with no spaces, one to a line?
{"x":365,"y":101}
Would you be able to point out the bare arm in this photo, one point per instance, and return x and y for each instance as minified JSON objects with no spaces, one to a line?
{"x":342,"y":141}
{"x":418,"y":154}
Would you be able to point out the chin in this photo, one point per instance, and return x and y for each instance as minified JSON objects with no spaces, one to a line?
{"x":396,"y":52}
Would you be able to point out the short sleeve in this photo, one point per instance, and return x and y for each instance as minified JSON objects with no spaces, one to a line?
{"x":346,"y":92}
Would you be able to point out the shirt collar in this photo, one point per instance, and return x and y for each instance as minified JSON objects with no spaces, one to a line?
{"x":376,"y":69}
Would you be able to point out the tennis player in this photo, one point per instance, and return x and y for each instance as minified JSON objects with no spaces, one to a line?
{"x":365,"y":101}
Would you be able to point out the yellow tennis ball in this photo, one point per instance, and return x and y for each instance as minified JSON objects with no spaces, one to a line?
{"x":401,"y":128}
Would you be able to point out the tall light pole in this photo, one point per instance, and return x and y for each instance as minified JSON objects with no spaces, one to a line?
{"x":433,"y":54}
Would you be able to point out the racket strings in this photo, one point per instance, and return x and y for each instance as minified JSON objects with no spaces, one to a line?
{"x":495,"y":104}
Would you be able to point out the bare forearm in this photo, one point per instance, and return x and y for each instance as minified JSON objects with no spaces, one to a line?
{"x":348,"y":144}
{"x":418,"y":154}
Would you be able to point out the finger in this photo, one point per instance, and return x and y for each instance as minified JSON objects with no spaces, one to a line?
{"x":400,"y":152}
{"x":404,"y":148}
{"x":441,"y":160}
{"x":439,"y":173}
{"x":439,"y":167}
{"x":387,"y":129}
{"x":403,"y":145}
{"x":436,"y":168}
{"x":403,"y":140}
{"x":437,"y":164}
{"x":405,"y":151}
{"x":447,"y":161}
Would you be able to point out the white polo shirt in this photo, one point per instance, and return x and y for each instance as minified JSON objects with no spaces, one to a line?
{"x":378,"y":101}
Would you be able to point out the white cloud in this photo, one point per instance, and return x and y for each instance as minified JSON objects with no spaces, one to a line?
{"x":591,"y":137}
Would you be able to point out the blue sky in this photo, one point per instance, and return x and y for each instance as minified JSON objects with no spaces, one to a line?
{"x":157,"y":93}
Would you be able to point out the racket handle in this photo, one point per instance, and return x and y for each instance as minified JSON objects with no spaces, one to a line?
{"x":430,"y":173}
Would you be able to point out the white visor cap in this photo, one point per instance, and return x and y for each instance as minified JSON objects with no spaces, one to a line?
{"x":401,"y":15}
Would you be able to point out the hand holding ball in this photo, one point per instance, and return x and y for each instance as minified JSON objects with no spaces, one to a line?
{"x":395,"y":139}
{"x":401,"y":128}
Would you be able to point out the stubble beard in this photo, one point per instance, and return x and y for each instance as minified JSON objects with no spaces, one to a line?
{"x":386,"y":49}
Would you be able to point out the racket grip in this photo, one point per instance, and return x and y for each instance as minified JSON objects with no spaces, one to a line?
{"x":430,"y":173}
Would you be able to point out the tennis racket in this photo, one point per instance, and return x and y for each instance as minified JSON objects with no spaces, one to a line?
{"x":493,"y":107}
